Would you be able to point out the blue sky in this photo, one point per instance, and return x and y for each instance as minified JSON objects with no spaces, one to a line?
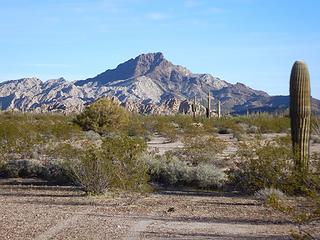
{"x":250,"y":41}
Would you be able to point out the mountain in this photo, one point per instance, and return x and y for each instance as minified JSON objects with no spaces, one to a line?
{"x":148,"y":84}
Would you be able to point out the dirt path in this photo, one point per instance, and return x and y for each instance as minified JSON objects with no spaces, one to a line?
{"x":43,"y":212}
{"x":54,"y":230}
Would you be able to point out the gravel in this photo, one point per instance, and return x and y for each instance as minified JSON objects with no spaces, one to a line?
{"x":51,"y":212}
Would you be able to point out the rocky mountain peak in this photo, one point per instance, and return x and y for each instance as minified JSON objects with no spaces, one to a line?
{"x":146,"y":63}
{"x":150,"y":58}
{"x":148,"y":83}
{"x":139,"y":66}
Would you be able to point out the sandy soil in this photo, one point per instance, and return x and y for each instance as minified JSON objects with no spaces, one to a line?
{"x":49,"y":212}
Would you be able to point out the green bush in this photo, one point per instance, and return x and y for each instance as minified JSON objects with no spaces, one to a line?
{"x":261,"y":165}
{"x":209,"y":176}
{"x":267,"y":123}
{"x":53,"y":171}
{"x":171,"y":171}
{"x":315,"y":126}
{"x":167,"y":128}
{"x":103,"y":116}
{"x":270,"y":165}
{"x":200,"y":149}
{"x":228,"y":125}
{"x":137,"y":126}
{"x":168,"y":170}
{"x":27,"y":135}
{"x":114,"y":164}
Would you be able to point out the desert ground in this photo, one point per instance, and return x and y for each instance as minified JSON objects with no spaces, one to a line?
{"x":32,"y":209}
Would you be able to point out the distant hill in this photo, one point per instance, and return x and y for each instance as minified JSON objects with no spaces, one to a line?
{"x":148,"y":84}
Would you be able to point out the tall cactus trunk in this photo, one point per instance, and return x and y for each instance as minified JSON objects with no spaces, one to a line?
{"x":194,"y":108}
{"x":208,"y":110}
{"x":300,"y":114}
{"x":219,"y":109}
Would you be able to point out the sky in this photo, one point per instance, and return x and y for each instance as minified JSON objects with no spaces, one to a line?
{"x":254,"y":42}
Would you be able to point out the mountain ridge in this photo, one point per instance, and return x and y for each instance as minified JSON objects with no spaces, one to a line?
{"x":148,"y":83}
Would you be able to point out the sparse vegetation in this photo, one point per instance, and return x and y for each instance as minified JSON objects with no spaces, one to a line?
{"x":28,"y":135}
{"x":171,"y":171}
{"x":32,"y":144}
{"x":200,"y":149}
{"x":116,"y":163}
{"x":261,"y":165}
{"x":57,"y":148}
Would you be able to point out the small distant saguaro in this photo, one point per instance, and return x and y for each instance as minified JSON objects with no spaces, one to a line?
{"x":208,"y":110}
{"x":219,"y":109}
{"x":194,"y":107}
{"x":300,"y":114}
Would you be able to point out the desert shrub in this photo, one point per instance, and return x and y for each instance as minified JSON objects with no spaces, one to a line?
{"x":200,"y":149}
{"x":53,"y":171}
{"x":173,"y":126}
{"x":57,"y":171}
{"x":138,"y":126}
{"x":315,"y":126}
{"x":168,"y":170}
{"x":315,"y":139}
{"x":26,"y":135}
{"x":103,"y":116}
{"x":113,"y":164}
{"x":183,"y":121}
{"x":171,"y":171}
{"x":24,"y":168}
{"x":268,"y":193}
{"x":265,"y":123}
{"x":145,"y":126}
{"x":253,"y":129}
{"x":209,"y":176}
{"x":166,"y":128}
{"x":227,"y":125}
{"x":261,"y":165}
{"x":270,"y":165}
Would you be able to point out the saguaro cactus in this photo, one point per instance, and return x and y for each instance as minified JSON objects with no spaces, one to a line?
{"x":208,"y":110}
{"x":219,"y":109}
{"x":194,"y":107}
{"x":300,"y":113}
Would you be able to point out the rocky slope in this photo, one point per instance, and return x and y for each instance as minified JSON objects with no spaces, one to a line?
{"x":147,"y":84}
